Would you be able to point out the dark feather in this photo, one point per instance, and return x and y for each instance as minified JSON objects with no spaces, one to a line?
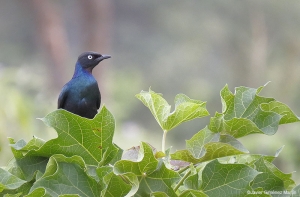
{"x":81,"y":94}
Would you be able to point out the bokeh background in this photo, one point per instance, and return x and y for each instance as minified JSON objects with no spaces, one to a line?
{"x":191,"y":47}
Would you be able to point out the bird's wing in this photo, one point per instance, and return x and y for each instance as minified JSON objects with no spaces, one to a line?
{"x":62,"y":98}
{"x":98,"y":100}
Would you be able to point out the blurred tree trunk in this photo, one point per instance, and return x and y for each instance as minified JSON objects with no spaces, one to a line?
{"x":97,"y":21}
{"x":258,"y":48}
{"x":52,"y":38}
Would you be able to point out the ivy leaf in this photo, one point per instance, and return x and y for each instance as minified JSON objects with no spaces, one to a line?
{"x":152,"y":175}
{"x":66,"y":175}
{"x":185,"y":109}
{"x":90,"y":139}
{"x":271,"y":177}
{"x":227,"y":179}
{"x":206,"y":145}
{"x":245,"y":112}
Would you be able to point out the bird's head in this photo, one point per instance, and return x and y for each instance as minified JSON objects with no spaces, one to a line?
{"x":88,"y":60}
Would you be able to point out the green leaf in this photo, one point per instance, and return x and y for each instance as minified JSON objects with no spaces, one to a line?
{"x":233,"y":142}
{"x":66,"y":175}
{"x":41,"y":192}
{"x":27,"y":167}
{"x":245,"y":112}
{"x":20,"y":191}
{"x":118,"y":156}
{"x":206,"y":145}
{"x":271,"y":177}
{"x":153,"y":176}
{"x":196,"y":144}
{"x":83,"y":161}
{"x":259,"y":192}
{"x":13,"y":195}
{"x":125,"y":183}
{"x":21,"y":147}
{"x":133,"y":154}
{"x":102,"y":172}
{"x":192,"y":182}
{"x":8,"y":181}
{"x":193,"y":193}
{"x":288,"y":116}
{"x":227,"y":179}
{"x":158,"y":194}
{"x":296,"y":191}
{"x":250,"y":159}
{"x":90,"y":139}
{"x":213,"y":150}
{"x":185,"y":109}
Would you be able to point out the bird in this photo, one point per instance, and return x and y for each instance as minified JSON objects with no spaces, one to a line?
{"x":81,"y":95}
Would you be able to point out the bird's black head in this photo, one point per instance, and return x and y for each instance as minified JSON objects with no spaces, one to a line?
{"x":88,"y":60}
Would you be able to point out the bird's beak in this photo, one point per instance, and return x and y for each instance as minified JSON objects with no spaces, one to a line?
{"x":103,"y":57}
{"x":106,"y":56}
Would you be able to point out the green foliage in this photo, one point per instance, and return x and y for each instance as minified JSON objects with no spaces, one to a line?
{"x":185,"y":109}
{"x":84,"y":161}
{"x":227,"y":179}
{"x":245,"y":112}
{"x":153,"y":176}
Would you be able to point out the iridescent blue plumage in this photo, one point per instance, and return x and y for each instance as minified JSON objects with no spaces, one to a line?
{"x":81,"y":94}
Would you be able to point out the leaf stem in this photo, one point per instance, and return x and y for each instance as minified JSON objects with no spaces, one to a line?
{"x":182,"y":180}
{"x":183,"y":169}
{"x":163,"y":145}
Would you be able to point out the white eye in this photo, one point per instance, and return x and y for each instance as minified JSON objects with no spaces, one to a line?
{"x":90,"y":57}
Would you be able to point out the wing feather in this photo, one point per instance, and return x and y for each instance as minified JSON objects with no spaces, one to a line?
{"x":62,"y":98}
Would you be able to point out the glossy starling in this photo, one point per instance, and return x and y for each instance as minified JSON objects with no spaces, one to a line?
{"x":81,"y":94}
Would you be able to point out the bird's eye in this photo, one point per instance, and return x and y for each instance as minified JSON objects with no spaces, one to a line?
{"x":90,"y":57}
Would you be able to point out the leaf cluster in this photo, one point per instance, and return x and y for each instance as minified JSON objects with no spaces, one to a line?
{"x":84,"y":161}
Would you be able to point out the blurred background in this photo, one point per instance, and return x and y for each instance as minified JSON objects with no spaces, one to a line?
{"x":193,"y":47}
